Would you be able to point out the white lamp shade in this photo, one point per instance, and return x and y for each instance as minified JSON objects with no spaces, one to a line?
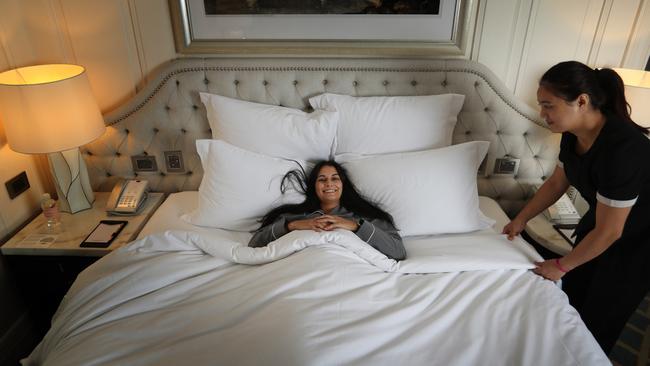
{"x":48,"y":108}
{"x":637,"y":93}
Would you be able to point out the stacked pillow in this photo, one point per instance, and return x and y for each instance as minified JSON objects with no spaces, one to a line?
{"x":239,"y":186}
{"x":396,"y":150}
{"x":427,"y":192}
{"x":271,"y":130}
{"x":380,"y":125}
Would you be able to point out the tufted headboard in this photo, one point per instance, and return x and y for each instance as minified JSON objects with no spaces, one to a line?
{"x":168,"y":115}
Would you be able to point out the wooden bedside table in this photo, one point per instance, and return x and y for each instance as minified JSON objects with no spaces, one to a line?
{"x":74,"y":229}
{"x":542,"y":231}
{"x":43,"y":273}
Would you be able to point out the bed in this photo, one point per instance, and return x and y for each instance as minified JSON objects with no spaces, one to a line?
{"x":183,"y":293}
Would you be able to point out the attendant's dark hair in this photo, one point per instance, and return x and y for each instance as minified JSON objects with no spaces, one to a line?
{"x":350,"y":198}
{"x":569,"y":79}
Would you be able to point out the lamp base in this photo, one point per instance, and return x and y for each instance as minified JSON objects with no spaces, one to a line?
{"x":71,"y":181}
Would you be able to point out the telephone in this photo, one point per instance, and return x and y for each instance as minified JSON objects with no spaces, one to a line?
{"x":563,"y":212}
{"x":127,"y":197}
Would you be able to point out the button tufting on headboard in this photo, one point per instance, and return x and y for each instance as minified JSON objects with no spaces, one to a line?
{"x":167,"y":115}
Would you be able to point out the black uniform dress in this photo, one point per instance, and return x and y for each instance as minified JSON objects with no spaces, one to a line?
{"x":616,"y":172}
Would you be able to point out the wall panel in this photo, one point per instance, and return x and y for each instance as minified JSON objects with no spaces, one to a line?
{"x":17,"y":49}
{"x":153,"y":34}
{"x":617,"y":30}
{"x":555,"y":36}
{"x":638,"y":50}
{"x":500,"y":45}
{"x":102,"y":39}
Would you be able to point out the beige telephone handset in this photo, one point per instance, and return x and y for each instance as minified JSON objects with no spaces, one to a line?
{"x":127,"y":197}
{"x":563,"y":212}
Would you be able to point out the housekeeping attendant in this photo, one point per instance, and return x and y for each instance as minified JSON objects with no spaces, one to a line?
{"x":604,"y":154}
{"x":331,"y":202}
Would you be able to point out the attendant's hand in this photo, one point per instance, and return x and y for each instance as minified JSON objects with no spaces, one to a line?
{"x":330,"y":222}
{"x":514,"y":228}
{"x":307,"y":224}
{"x":549,"y":270}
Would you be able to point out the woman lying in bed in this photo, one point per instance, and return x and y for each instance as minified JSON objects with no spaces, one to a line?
{"x":331,"y":203}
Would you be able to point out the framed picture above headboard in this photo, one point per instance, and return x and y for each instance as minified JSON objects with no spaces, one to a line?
{"x":357,"y":28}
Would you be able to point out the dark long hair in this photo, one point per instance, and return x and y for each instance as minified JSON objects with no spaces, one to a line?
{"x":350,"y":198}
{"x":569,"y":79}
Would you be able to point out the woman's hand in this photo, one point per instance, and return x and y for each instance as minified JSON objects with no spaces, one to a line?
{"x":307,"y":224}
{"x":549,"y":270}
{"x":330,"y":222}
{"x":514,"y":228}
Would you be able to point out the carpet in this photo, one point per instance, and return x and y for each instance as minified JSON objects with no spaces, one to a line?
{"x":633,"y":345}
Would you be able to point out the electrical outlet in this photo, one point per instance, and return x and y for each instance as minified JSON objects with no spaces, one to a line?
{"x":174,"y":161}
{"x":17,"y":185}
{"x":506,"y":166}
{"x":144,"y":163}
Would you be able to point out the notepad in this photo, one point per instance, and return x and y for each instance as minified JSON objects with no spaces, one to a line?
{"x":104,"y":234}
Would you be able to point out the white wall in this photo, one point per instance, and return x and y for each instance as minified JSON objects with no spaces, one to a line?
{"x":120,"y":42}
{"x":520,"y":39}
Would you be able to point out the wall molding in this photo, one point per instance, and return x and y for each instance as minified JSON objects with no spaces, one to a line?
{"x":58,"y":17}
{"x":522,"y":21}
{"x":638,"y":47}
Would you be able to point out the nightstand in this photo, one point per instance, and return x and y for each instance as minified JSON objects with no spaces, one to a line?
{"x":43,"y":273}
{"x":74,"y":229}
{"x":543,"y":233}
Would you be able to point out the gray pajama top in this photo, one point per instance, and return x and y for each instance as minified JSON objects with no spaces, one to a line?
{"x":380,"y":234}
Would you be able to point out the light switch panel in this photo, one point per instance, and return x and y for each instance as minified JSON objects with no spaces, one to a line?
{"x":17,"y":185}
{"x":144,"y":163}
{"x":506,"y":166}
{"x":174,"y":161}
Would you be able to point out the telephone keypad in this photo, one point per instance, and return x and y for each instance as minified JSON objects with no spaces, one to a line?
{"x":127,"y":201}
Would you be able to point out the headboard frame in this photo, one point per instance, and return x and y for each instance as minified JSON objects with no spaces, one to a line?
{"x":167,"y":115}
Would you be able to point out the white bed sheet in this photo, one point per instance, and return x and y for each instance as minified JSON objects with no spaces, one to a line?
{"x":163,"y":300}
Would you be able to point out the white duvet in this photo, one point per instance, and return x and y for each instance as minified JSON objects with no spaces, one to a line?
{"x":182,"y":298}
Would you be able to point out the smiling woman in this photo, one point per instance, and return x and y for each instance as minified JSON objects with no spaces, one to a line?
{"x":331,"y":202}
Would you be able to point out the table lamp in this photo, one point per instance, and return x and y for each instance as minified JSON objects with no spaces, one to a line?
{"x":50,"y":109}
{"x":637,"y":93}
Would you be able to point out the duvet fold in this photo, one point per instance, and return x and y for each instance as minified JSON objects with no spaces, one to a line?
{"x":483,"y":250}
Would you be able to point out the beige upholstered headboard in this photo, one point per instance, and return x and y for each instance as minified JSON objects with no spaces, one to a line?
{"x":167,"y":115}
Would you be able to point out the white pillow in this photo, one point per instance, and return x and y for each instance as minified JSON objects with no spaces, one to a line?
{"x":379,"y":125}
{"x":427,"y":192}
{"x":271,"y":130}
{"x":239,"y":186}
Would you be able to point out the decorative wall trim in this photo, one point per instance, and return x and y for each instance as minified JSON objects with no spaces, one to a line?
{"x":460,"y":45}
{"x":638,"y":47}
